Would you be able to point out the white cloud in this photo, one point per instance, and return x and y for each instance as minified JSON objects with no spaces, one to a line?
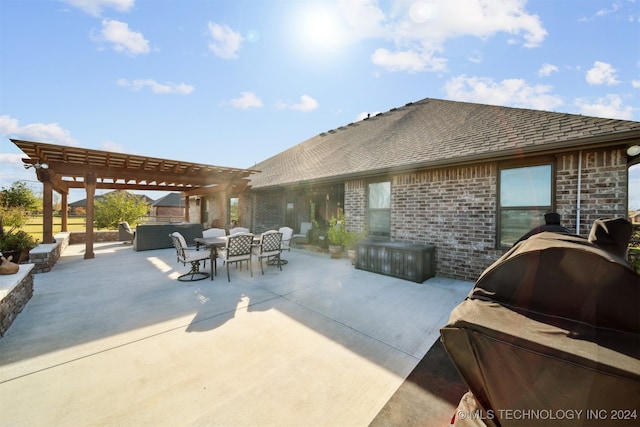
{"x":610,"y":106}
{"x":225,"y":42}
{"x":364,"y":19}
{"x":306,"y":104}
{"x":95,"y":7}
{"x":123,"y":39}
{"x":420,"y":29}
{"x":509,"y":92}
{"x":159,"y":88}
{"x":475,"y":57}
{"x":547,"y":69}
{"x":411,"y":61}
{"x":601,"y":73}
{"x":614,"y":7}
{"x":11,"y":159}
{"x":411,"y":35}
{"x":635,"y":84}
{"x":246,"y":101}
{"x":40,"y":132}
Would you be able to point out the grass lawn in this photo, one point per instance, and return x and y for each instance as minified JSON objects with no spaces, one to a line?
{"x":34,"y":227}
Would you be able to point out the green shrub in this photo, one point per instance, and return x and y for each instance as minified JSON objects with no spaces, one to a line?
{"x":17,"y":241}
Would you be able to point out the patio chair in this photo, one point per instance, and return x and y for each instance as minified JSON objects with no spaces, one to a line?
{"x":237,"y":249}
{"x":270,"y":247}
{"x":125,"y":233}
{"x":214,"y":232}
{"x":287,"y":234}
{"x":192,"y":256}
{"x":303,"y":236}
{"x":238,"y":230}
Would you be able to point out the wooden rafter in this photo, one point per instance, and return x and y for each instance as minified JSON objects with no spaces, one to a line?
{"x":68,"y":167}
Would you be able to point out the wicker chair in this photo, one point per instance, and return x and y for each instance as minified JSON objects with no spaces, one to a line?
{"x":270,"y":247}
{"x":237,"y":249}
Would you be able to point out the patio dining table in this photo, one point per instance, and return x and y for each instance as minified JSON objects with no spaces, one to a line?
{"x":211,"y":243}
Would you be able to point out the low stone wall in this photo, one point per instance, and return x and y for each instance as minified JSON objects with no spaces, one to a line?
{"x":78,"y":237}
{"x":15,"y":292}
{"x":45,"y":255}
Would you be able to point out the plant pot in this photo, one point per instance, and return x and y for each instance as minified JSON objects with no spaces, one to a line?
{"x":351,"y":253}
{"x":14,"y":254}
{"x":336,"y":251}
{"x":19,"y":256}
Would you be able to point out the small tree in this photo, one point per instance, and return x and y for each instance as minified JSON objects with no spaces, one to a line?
{"x":118,"y":206}
{"x":16,"y":205}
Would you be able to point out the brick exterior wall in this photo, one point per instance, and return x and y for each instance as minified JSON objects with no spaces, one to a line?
{"x":456,"y":209}
{"x":355,"y":204}
{"x":453,"y":209}
{"x":603,"y":192}
{"x":268,"y":211}
{"x":176,"y":213}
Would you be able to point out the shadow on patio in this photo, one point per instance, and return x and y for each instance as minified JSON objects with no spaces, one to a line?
{"x":319,"y":343}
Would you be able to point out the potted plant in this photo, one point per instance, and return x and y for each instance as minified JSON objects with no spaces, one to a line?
{"x":337,"y":235}
{"x":350,"y":243}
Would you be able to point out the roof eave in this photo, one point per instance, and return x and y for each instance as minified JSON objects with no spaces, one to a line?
{"x":608,"y":140}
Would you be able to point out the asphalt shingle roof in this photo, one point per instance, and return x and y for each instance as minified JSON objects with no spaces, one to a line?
{"x":83,"y":203}
{"x":170,"y":200}
{"x":431,"y":132}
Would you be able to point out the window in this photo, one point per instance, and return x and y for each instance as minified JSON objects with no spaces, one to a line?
{"x":233,"y":211}
{"x":379,"y":209}
{"x":525,"y":196}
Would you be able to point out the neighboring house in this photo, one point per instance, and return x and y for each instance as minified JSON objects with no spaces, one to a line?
{"x":467,"y":178}
{"x":78,"y":207}
{"x":169,"y":208}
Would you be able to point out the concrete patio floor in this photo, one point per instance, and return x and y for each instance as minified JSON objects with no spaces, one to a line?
{"x":117,"y":340}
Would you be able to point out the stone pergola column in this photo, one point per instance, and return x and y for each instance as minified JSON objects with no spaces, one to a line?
{"x":90,"y":186}
{"x":64,"y":211}
{"x":47,"y":206}
{"x":186,"y":207}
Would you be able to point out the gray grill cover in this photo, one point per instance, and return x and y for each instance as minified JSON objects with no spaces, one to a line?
{"x":553,"y":325}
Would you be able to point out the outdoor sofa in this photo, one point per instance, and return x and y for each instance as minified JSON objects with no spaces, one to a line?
{"x":158,"y":236}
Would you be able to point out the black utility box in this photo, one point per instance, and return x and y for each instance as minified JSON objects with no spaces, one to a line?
{"x":404,"y":260}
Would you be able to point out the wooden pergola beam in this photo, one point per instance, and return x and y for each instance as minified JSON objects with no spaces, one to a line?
{"x":75,"y":167}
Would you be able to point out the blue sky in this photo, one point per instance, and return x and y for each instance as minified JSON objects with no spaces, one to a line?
{"x":234,"y":82}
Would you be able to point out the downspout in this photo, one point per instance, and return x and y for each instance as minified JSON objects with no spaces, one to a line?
{"x":578,"y":192}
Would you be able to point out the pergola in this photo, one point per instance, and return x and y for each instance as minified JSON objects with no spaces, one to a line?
{"x":61,"y":168}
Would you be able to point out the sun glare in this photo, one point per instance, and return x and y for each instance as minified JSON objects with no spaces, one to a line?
{"x":320,"y":28}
